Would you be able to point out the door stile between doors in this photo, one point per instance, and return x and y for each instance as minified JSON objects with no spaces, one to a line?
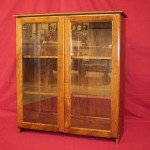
{"x":61,"y":92}
{"x":67,"y":75}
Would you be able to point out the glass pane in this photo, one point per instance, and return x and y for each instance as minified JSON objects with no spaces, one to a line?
{"x":40,"y":90}
{"x":91,"y":76}
{"x":39,"y":39}
{"x":91,"y":39}
{"x":40,"y":108}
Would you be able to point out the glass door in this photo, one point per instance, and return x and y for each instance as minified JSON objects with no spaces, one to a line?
{"x":89,"y":81}
{"x":42,"y":71}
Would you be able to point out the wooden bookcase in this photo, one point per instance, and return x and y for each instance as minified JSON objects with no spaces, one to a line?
{"x":70,"y":72}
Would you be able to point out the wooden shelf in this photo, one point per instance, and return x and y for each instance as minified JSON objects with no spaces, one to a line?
{"x":30,"y":42}
{"x":89,"y":96}
{"x":40,"y":90}
{"x":52,"y":43}
{"x":95,"y":46}
{"x":31,"y":56}
{"x":90,"y":57}
{"x":72,"y":13}
{"x":92,"y":117}
{"x":73,"y":57}
{"x":40,"y":93}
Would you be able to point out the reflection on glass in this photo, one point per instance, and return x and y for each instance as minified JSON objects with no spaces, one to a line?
{"x":40,"y":72}
{"x":40,"y":108}
{"x":40,"y":90}
{"x":39,"y":39}
{"x":90,"y":112}
{"x":91,"y":39}
{"x":92,"y":77}
{"x":91,"y":64}
{"x":39,"y":45}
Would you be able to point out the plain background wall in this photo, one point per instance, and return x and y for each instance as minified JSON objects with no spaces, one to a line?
{"x":137,"y":96}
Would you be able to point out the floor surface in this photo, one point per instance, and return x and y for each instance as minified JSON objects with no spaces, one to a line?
{"x":136,"y":137}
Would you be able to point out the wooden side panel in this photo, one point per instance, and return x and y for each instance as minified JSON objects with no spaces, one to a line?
{"x":19,"y":71}
{"x":118,"y":84}
{"x":115,"y":74}
{"x":61,"y":74}
{"x":122,"y":78}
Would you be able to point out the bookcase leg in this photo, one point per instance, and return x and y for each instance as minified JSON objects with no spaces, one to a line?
{"x":117,"y":140}
{"x":20,"y":129}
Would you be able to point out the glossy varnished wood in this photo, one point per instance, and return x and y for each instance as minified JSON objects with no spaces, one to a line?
{"x":68,"y":120}
{"x":86,"y":104}
{"x":61,"y":74}
{"x":34,"y":90}
{"x":90,"y":57}
{"x":72,"y":13}
{"x":122,"y":79}
{"x":115,"y":75}
{"x":67,"y":76}
{"x":19,"y":72}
